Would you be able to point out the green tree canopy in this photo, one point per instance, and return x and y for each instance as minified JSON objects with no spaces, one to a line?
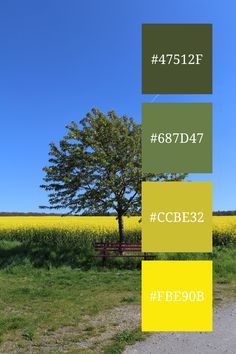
{"x":97,"y":168}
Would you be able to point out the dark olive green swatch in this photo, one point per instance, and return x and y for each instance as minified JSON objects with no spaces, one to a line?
{"x":187,"y":118}
{"x":176,"y":39}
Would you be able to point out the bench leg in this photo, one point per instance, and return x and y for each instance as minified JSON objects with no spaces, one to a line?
{"x":104,"y":258}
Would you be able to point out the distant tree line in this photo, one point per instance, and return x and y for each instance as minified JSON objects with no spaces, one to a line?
{"x":224,"y":212}
{"x":16,"y":213}
{"x":216,"y":213}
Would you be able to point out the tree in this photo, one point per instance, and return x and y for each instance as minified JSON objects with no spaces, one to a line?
{"x":96,"y":168}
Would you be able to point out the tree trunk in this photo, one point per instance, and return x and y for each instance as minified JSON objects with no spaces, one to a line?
{"x":121,"y":230}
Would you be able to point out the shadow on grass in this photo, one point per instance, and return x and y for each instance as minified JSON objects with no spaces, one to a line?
{"x":57,"y":248}
{"x":14,"y":253}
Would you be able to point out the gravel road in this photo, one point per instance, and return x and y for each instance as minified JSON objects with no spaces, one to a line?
{"x":221,"y":340}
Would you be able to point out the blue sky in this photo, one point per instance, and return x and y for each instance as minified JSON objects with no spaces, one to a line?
{"x":61,"y":58}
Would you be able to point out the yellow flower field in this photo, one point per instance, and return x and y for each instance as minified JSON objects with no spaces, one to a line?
{"x":224,"y":223}
{"x":94,"y":223}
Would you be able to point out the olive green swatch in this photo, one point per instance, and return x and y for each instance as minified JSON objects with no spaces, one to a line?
{"x":179,"y":40}
{"x":177,"y":137}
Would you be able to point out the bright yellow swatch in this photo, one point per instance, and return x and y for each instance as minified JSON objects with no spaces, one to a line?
{"x":177,"y":296}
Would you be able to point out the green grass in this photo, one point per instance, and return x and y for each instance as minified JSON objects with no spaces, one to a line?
{"x":224,"y":264}
{"x":38,"y":300}
{"x":122,"y":339}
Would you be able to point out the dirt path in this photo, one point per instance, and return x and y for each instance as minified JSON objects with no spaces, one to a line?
{"x":221,"y":340}
{"x":88,"y":336}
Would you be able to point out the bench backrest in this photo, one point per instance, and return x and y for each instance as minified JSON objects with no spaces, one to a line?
{"x":116,"y":246}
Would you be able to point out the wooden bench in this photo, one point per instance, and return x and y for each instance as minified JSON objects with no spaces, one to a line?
{"x":116,"y":249}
